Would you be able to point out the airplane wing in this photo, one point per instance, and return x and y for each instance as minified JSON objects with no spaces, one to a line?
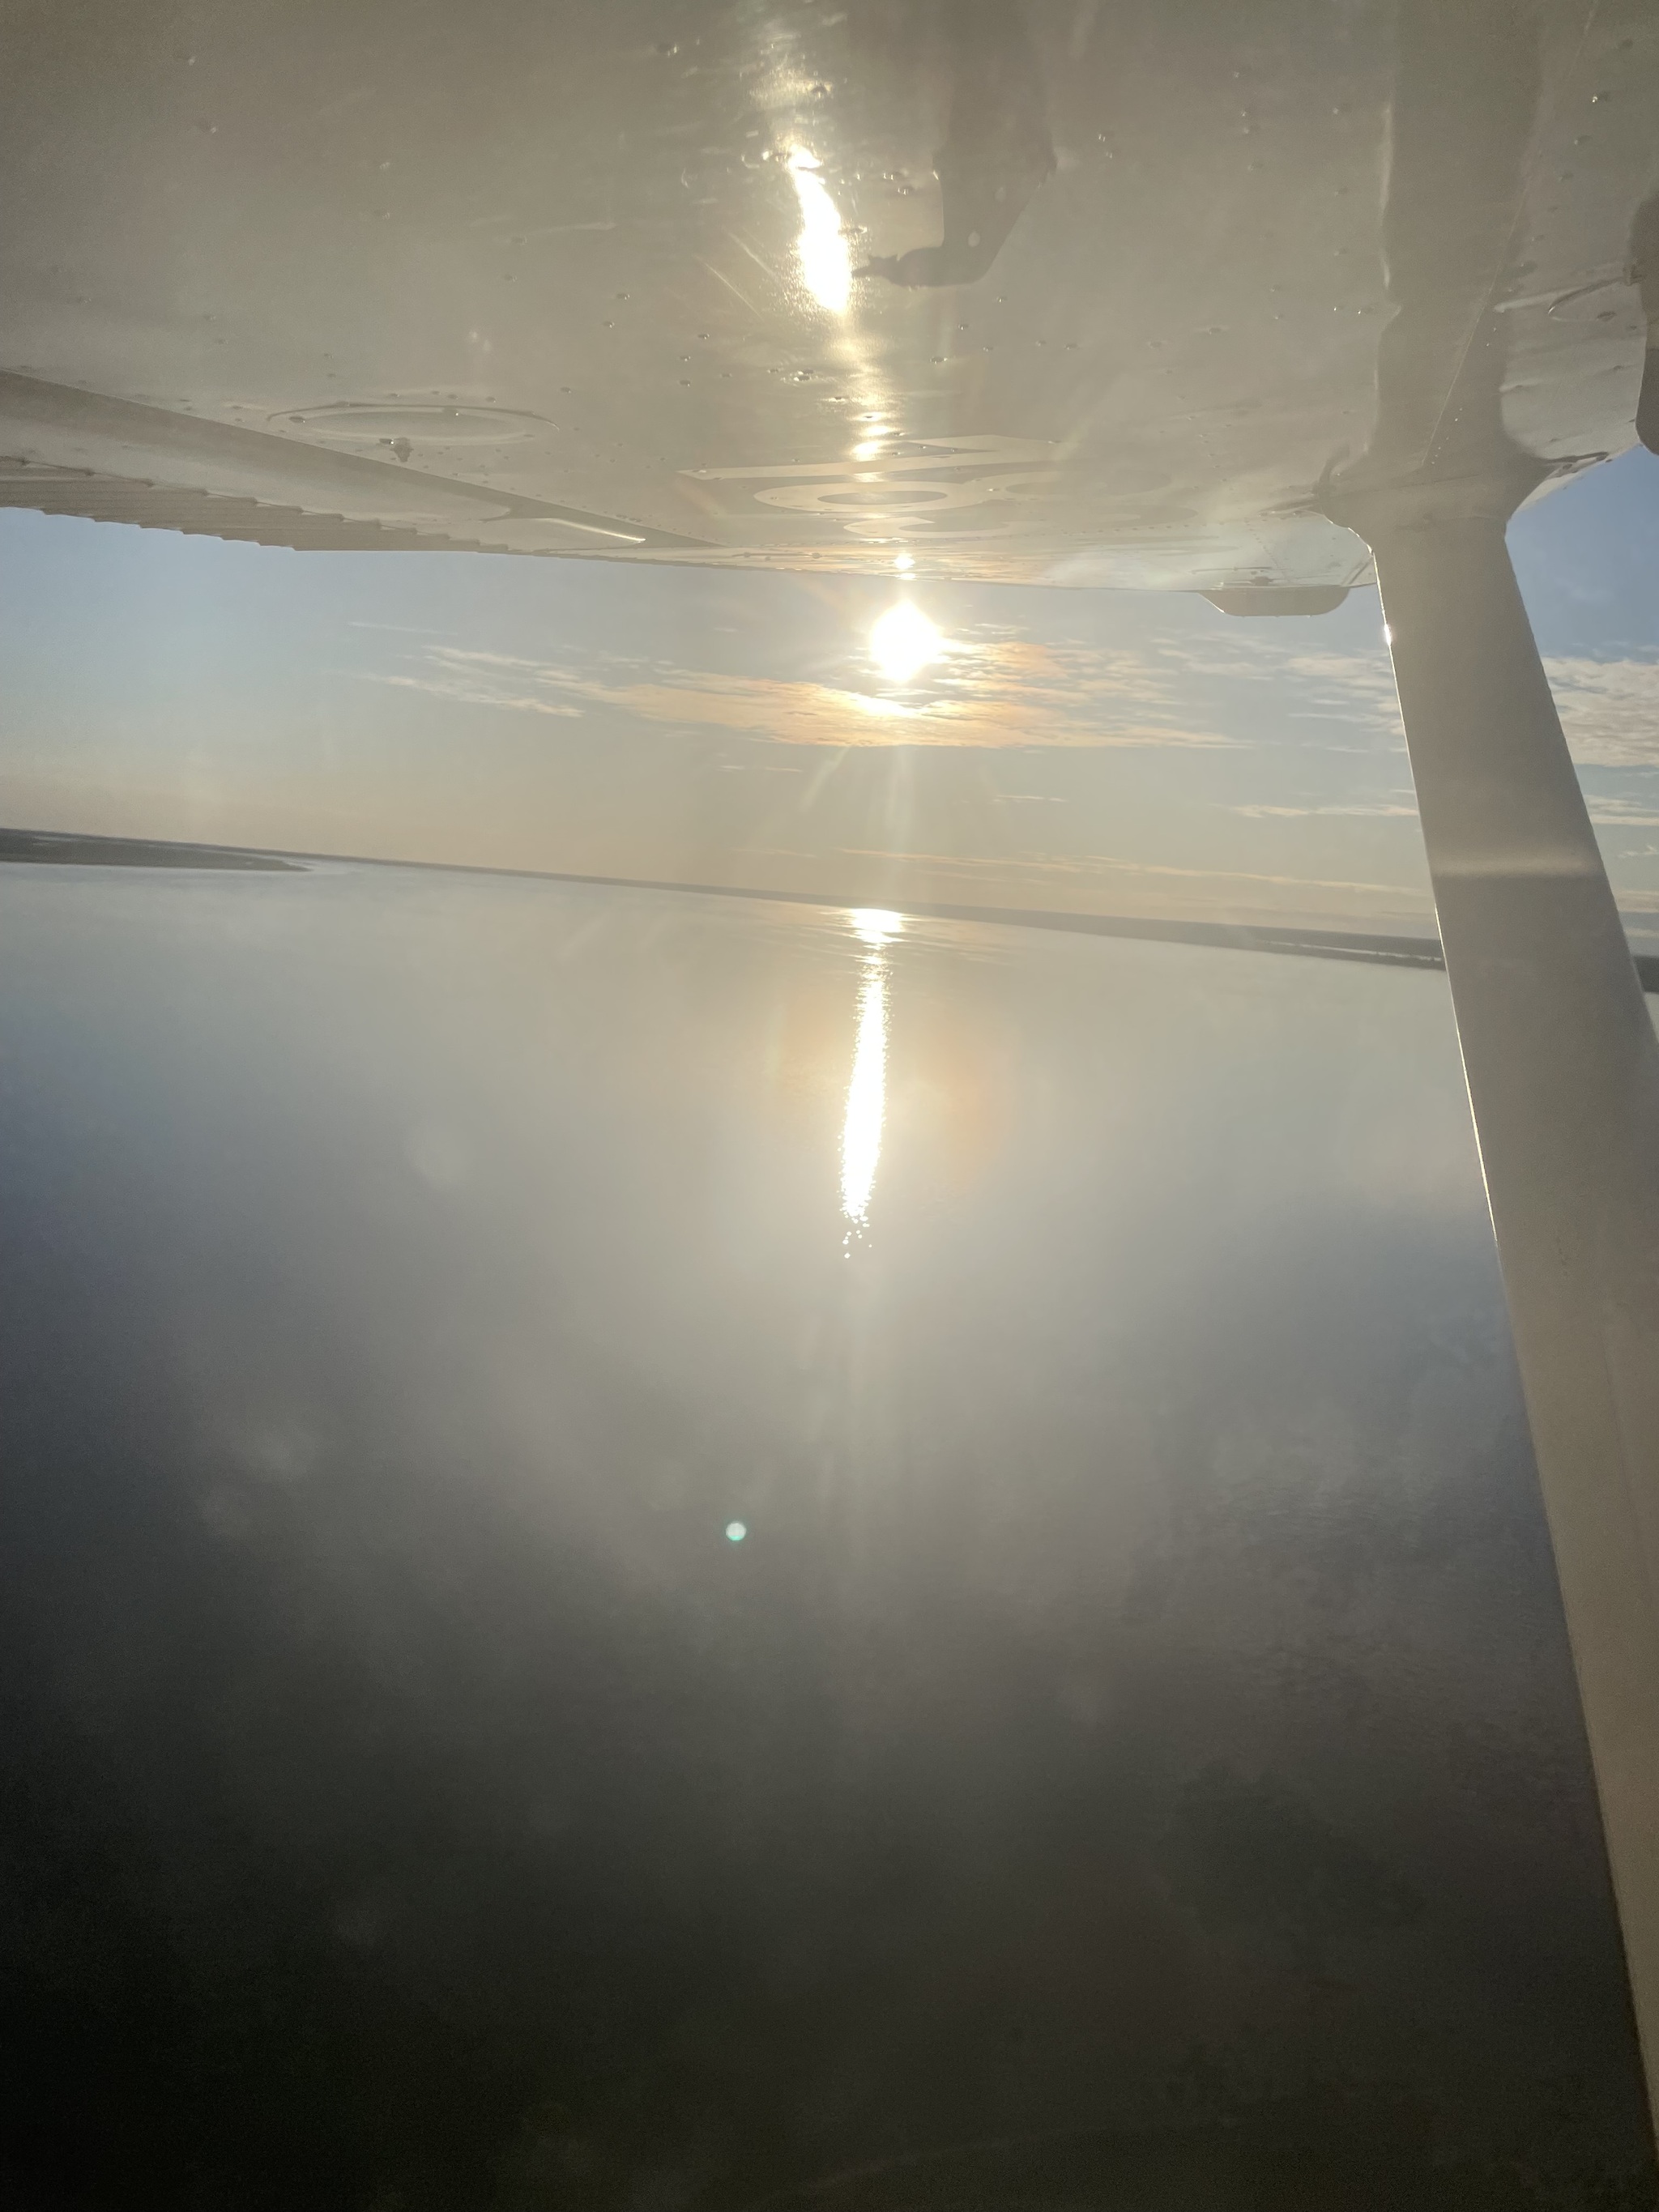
{"x":1023,"y":292}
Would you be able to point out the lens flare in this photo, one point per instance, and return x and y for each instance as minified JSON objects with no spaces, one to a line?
{"x":903,"y":642}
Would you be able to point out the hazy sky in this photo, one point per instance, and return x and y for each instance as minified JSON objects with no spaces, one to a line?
{"x":1119,"y":752}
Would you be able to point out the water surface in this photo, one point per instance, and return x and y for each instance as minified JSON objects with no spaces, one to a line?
{"x":1127,"y":1752}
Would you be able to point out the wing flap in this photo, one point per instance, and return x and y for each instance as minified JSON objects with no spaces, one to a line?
{"x":69,"y":452}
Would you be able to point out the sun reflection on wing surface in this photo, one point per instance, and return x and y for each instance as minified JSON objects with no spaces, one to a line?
{"x":826,"y":267}
{"x":867,"y":1091}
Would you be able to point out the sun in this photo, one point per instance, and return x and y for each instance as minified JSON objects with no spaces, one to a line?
{"x":904,"y":642}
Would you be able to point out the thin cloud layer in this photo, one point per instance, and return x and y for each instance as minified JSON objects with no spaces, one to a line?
{"x":1403,"y":808}
{"x":992,"y":692}
{"x":1003,"y":690}
{"x":1609,"y":709}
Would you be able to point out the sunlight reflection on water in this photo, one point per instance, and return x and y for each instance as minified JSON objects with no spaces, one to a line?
{"x":867,"y":1091}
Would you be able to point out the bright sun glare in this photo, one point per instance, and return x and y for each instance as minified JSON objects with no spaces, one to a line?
{"x":824,"y":261}
{"x":903,"y":642}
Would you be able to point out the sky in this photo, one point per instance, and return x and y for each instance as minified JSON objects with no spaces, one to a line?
{"x":1118,"y":752}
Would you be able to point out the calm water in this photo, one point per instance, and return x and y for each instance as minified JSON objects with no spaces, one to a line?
{"x":656,"y":1550}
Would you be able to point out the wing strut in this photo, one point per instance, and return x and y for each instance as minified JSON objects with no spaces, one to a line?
{"x":1562,"y":1071}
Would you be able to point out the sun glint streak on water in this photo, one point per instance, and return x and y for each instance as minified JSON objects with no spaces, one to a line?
{"x":867,"y":1093}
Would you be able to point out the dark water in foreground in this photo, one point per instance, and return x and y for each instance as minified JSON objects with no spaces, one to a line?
{"x":1127,"y":1758}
